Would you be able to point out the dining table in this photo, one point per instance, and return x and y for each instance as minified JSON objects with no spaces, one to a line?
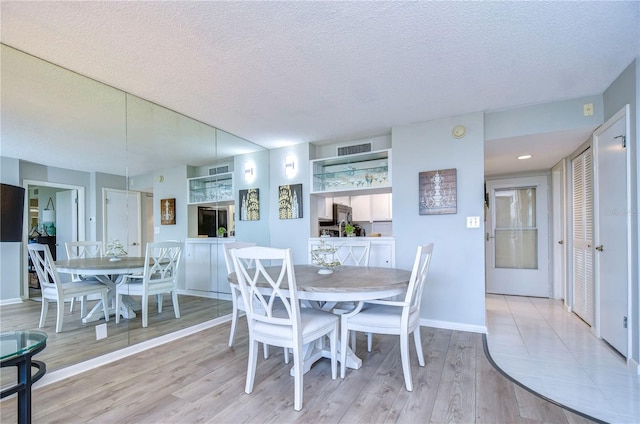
{"x":346,"y":284}
{"x":109,"y":272}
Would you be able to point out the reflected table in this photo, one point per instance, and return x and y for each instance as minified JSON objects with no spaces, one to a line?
{"x":16,"y":349}
{"x":346,"y":284}
{"x":109,"y":272}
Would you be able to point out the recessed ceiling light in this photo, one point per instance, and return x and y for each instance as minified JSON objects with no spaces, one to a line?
{"x":524,"y":157}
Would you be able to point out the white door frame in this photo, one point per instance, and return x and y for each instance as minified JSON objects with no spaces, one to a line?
{"x":542,"y":182}
{"x":25,"y":224}
{"x":625,"y":112}
{"x":559,"y":236}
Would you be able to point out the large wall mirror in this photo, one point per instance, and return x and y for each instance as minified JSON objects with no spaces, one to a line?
{"x":52,"y":120}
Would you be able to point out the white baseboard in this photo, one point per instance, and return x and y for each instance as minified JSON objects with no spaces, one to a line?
{"x":457,"y":326}
{"x":70,"y":371}
{"x":10,"y":301}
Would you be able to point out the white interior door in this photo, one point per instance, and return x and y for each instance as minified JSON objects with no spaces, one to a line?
{"x":122,"y":219}
{"x":583,"y":299}
{"x":517,"y":248}
{"x":612,"y":223}
{"x":66,"y":224}
{"x":66,"y":220}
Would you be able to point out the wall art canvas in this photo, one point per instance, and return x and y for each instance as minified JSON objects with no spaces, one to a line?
{"x":168,"y":212}
{"x":290,"y":201}
{"x":250,"y":204}
{"x":438,"y":192}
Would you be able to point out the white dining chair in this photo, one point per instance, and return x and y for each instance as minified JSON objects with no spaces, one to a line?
{"x":236,"y":295}
{"x":393,"y":317}
{"x":160,"y":275}
{"x":83,"y":249}
{"x":54,"y":290}
{"x":355,"y":253}
{"x":289,"y":326}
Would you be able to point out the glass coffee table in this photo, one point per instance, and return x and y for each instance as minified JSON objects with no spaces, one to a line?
{"x":16,"y":349}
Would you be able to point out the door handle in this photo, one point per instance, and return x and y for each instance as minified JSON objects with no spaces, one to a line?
{"x":600,"y":248}
{"x":134,"y":244}
{"x":489,"y":236}
{"x":561,"y":242}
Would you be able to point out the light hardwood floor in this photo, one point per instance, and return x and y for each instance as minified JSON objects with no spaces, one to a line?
{"x":200,"y":379}
{"x":77,"y":341}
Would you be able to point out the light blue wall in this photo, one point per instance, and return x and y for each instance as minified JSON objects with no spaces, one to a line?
{"x":454,"y":296}
{"x":10,"y":253}
{"x":293,"y":233}
{"x":544,"y":118}
{"x":254,"y":231}
{"x":173,"y":186}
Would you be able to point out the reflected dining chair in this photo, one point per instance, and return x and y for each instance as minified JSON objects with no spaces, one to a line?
{"x":54,"y":290}
{"x":288,"y":326}
{"x":393,"y":317}
{"x":160,"y":275}
{"x":83,"y":249}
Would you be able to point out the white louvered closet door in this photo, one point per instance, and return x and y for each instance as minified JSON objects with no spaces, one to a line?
{"x":583,"y":282}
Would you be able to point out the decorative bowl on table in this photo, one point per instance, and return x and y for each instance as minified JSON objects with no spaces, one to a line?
{"x":114,"y":251}
{"x":323,"y":255}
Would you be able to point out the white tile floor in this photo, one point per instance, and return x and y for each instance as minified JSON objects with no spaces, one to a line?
{"x":538,"y":343}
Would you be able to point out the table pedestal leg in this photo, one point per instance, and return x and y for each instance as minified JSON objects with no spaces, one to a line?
{"x":127,"y":309}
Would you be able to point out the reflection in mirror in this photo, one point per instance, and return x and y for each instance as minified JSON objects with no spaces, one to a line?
{"x":62,"y":131}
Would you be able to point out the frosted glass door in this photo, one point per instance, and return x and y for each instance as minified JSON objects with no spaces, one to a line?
{"x":517,"y":248}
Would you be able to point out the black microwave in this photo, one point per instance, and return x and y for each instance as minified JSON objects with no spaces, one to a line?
{"x":341,"y":213}
{"x":210,"y":219}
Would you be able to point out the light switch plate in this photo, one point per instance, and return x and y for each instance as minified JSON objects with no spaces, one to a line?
{"x":156,"y":230}
{"x":473,"y":222}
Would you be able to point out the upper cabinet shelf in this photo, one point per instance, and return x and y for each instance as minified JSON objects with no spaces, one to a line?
{"x":370,"y":172}
{"x":211,"y":188}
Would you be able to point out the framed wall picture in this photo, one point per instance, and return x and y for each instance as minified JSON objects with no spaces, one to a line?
{"x":437,"y":192}
{"x":290,"y":201}
{"x":168,"y":212}
{"x":249,"y":204}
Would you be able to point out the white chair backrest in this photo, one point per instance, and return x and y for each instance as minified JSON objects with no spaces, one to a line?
{"x":417,"y":280}
{"x":84,"y":249}
{"x":45,"y":268}
{"x":235,"y":245}
{"x":356,"y":253}
{"x":162,"y":261}
{"x":277,"y":287}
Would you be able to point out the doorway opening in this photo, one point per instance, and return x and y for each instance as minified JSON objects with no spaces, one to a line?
{"x":52,"y":215}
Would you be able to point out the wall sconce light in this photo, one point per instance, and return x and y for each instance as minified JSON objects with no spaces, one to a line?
{"x":290,"y":166}
{"x":248,"y":172}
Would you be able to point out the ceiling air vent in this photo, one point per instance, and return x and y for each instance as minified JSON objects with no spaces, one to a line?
{"x":219,"y":170}
{"x":356,"y":148}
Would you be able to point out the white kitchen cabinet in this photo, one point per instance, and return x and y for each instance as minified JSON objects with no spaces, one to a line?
{"x":381,"y":207}
{"x":197,"y":262}
{"x":206,"y":270}
{"x":381,"y":254}
{"x":371,"y":208}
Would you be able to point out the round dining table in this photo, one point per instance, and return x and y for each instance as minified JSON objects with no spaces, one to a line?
{"x":109,"y":272}
{"x":345,"y":284}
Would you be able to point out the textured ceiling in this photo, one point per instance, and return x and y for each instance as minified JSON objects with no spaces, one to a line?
{"x":277,"y":73}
